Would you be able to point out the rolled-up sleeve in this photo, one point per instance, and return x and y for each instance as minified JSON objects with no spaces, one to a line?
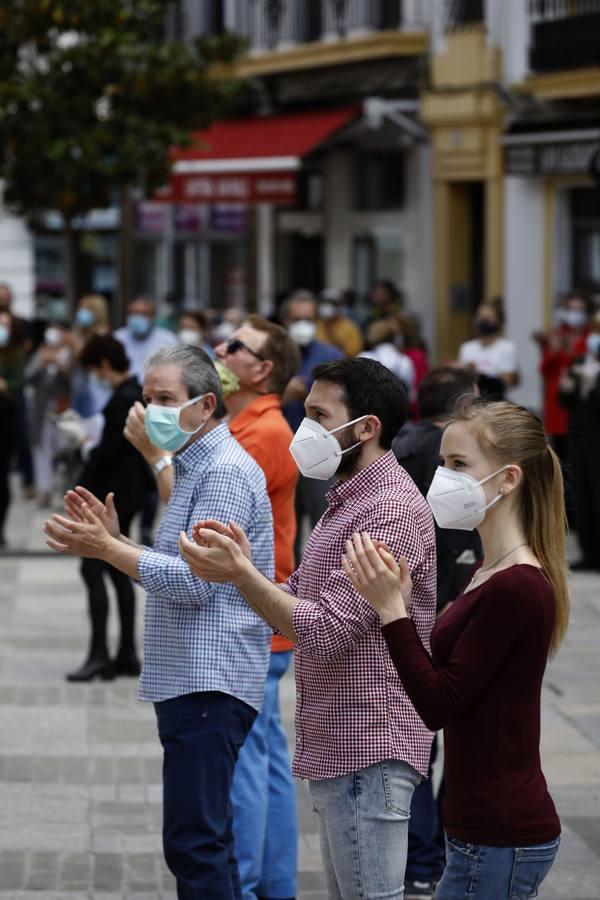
{"x":328,"y":625}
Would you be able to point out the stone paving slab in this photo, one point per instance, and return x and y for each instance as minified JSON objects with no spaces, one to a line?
{"x":80,"y":766}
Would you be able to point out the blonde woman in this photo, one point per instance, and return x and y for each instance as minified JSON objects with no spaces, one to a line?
{"x":483,"y":681}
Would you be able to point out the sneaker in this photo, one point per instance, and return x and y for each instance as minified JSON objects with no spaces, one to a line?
{"x":419,"y":890}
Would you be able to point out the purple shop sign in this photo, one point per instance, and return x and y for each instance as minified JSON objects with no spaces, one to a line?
{"x":228,"y":218}
{"x":151,"y":217}
{"x":187,"y":218}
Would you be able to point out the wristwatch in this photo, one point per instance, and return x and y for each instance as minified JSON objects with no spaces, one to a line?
{"x":162,"y":463}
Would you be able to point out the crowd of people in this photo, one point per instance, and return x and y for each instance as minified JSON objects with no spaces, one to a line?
{"x":290,"y":530}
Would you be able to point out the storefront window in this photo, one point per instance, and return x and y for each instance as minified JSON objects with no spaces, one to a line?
{"x":585,"y":216}
{"x":378,"y":181}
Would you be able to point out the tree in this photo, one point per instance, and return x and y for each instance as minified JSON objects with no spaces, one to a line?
{"x":93,"y":96}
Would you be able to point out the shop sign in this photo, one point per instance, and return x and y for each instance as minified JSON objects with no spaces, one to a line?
{"x":256,"y":187}
{"x":556,"y":158}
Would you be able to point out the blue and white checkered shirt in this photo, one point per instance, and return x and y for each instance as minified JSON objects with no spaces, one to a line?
{"x":201,"y":636}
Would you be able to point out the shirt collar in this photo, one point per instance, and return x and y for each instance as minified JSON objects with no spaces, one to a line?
{"x":201,"y":448}
{"x":254,"y":410}
{"x":363,"y":480}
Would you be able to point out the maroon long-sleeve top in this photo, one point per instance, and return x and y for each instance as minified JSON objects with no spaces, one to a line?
{"x":482,"y":685}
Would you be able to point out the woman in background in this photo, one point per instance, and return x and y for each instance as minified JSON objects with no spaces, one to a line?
{"x":12,"y":365}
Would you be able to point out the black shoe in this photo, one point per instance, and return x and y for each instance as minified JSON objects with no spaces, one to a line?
{"x":126,"y":663}
{"x":419,"y":890}
{"x":94,"y":667}
{"x":584,"y":565}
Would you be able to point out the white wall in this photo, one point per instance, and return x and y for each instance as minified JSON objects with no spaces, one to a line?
{"x":524,"y":279}
{"x":16,"y":261}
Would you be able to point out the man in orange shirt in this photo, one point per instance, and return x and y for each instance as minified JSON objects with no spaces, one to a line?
{"x":264,"y":358}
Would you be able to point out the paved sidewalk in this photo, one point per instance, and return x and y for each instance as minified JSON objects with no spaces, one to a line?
{"x":80,"y":764}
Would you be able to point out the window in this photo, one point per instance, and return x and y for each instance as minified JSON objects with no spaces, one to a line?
{"x":378,"y":181}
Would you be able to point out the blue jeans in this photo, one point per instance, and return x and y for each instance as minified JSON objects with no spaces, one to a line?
{"x":201,"y":735}
{"x":363,"y":830}
{"x":494,"y":873}
{"x":425,"y":860}
{"x":264,"y":800}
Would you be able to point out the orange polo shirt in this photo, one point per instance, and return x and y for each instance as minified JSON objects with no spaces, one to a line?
{"x":264,"y":433}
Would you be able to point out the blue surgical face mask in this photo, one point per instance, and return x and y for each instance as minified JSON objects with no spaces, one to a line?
{"x":138,"y":325}
{"x":162,"y":425}
{"x":593,"y":344}
{"x":85,"y":317}
{"x":98,"y":382}
{"x":4,"y":335}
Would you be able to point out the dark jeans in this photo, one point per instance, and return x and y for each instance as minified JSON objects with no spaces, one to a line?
{"x":425,"y":860}
{"x":585,"y":462}
{"x":201,"y":735}
{"x":24,"y":457}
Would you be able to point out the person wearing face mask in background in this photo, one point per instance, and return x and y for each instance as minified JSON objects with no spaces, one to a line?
{"x":298,"y":314}
{"x":48,"y":378}
{"x":192,"y":328}
{"x":559,"y":349}
{"x":579,"y":393}
{"x":358,"y":739}
{"x":206,"y":653}
{"x":12,"y":364}
{"x":335,"y":326}
{"x":113,"y":470}
{"x":23,"y":332}
{"x":88,"y":398}
{"x":492,"y":357}
{"x":141,"y":337}
{"x":384,"y":339}
{"x":482,"y":682}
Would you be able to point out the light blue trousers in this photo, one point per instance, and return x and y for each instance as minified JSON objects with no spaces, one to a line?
{"x":363,"y":829}
{"x":264,"y":800}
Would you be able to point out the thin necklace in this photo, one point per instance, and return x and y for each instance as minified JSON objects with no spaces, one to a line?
{"x":487,"y":568}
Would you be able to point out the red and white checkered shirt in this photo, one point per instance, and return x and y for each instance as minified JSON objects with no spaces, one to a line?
{"x":351,"y":708}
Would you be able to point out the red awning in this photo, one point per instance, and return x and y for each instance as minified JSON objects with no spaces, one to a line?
{"x":250,"y":160}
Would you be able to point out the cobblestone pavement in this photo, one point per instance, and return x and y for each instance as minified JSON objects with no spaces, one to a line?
{"x":80,"y":764}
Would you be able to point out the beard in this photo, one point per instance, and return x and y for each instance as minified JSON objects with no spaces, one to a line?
{"x":349,"y":461}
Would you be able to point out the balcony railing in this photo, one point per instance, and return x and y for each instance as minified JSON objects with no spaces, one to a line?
{"x":267,"y":24}
{"x":565,"y":34}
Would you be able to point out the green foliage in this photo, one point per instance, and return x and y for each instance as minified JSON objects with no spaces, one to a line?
{"x":93,"y":96}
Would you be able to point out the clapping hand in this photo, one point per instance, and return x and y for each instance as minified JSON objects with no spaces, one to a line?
{"x":376,"y":575}
{"x":218,"y":552}
{"x":76,"y":499}
{"x":88,"y":537}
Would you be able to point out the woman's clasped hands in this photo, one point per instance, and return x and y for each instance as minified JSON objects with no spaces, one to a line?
{"x":373,"y":571}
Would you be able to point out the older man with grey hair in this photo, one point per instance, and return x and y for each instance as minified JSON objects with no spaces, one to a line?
{"x":205,"y":652}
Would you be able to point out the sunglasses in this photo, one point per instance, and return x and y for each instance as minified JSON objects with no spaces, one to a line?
{"x":235,"y":344}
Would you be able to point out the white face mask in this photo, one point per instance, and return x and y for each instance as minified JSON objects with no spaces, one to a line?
{"x":327,"y":310}
{"x":302,"y":332}
{"x":52,"y":336}
{"x":457,"y":500}
{"x":190,"y":336}
{"x":316,"y":451}
{"x":574,"y":318}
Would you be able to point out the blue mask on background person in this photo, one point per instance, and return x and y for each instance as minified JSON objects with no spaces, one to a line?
{"x":593,"y":344}
{"x":84,"y":317}
{"x":4,"y":335}
{"x":162,"y":425}
{"x":97,"y":381}
{"x":139,"y":326}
